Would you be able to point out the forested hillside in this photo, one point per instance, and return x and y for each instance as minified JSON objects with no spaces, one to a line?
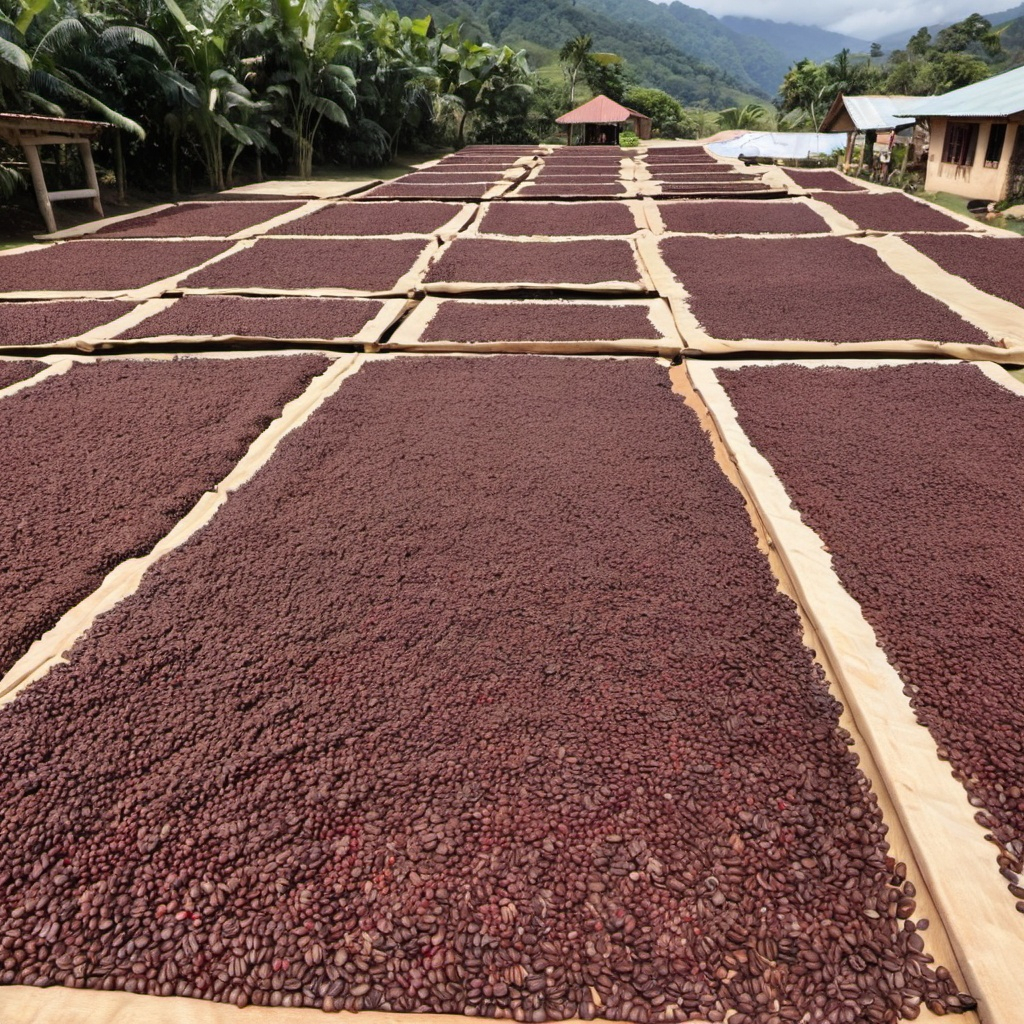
{"x":542,"y":26}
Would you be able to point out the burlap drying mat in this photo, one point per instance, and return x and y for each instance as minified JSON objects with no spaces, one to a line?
{"x":644,"y":285}
{"x":956,"y":860}
{"x":656,"y":223}
{"x":58,"y":1005}
{"x":548,"y":191}
{"x":106,"y":337}
{"x":997,"y":317}
{"x":458,"y":223}
{"x":127,"y":219}
{"x":148,"y":291}
{"x":124,"y":579}
{"x":304,"y":189}
{"x":697,"y":340}
{"x":406,"y":285}
{"x":669,"y":345}
{"x":635,"y":207}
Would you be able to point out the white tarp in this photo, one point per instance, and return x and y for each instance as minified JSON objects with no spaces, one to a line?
{"x":779,"y":145}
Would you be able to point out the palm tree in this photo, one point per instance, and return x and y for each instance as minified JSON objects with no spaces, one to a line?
{"x":574,"y":55}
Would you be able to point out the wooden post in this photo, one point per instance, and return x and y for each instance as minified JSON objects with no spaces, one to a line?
{"x":851,"y":138}
{"x":39,"y":184}
{"x":85,"y":152}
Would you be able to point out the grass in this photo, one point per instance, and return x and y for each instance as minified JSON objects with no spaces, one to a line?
{"x":958,"y":204}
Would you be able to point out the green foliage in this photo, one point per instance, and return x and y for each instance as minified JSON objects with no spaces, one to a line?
{"x":668,"y":119}
{"x":629,"y":140}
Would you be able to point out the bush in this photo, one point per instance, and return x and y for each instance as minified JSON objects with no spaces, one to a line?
{"x":629,"y":140}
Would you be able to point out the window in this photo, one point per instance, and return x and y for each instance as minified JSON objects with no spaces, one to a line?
{"x":994,"y":149}
{"x":961,"y":141}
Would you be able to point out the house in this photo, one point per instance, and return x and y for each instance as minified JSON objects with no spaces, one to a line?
{"x":604,"y":120}
{"x":977,"y":142}
{"x":872,"y":115}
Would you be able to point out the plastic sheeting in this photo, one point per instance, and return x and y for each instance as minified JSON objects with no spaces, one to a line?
{"x":779,"y":145}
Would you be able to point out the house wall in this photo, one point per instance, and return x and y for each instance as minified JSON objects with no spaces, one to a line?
{"x":974,"y":181}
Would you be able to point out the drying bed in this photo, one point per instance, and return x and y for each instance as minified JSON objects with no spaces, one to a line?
{"x":367,"y":218}
{"x":900,"y":472}
{"x":625,"y":326}
{"x":511,"y":218}
{"x":894,"y":212}
{"x":735,"y":218}
{"x":310,"y":264}
{"x":249,"y":317}
{"x":401,"y":190}
{"x":42,"y":323}
{"x":710,"y":188}
{"x":828,"y":181}
{"x":554,"y":190}
{"x":218,"y":219}
{"x":101,"y":461}
{"x":799,"y":288}
{"x":13,"y":371}
{"x":991,"y":264}
{"x":601,"y":775}
{"x":684,"y":172}
{"x":500,"y":262}
{"x":107,"y":266}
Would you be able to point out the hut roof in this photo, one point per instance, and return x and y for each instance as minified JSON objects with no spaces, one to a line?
{"x":600,"y":110}
{"x":867,"y":113}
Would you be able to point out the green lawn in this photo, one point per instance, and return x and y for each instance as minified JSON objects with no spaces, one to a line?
{"x":959,"y":205}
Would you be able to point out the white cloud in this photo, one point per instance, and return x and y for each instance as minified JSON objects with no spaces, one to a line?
{"x":849,"y":16}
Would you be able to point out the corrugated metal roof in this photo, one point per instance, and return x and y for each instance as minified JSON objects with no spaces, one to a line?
{"x":1000,"y":96}
{"x":599,"y":110}
{"x":871,"y":113}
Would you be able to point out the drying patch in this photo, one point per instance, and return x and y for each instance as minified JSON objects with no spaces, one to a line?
{"x":13,"y":371}
{"x":100,"y":462}
{"x":368,"y":218}
{"x":41,"y":323}
{"x":786,"y":288}
{"x":992,"y":264}
{"x":107,"y":266}
{"x":463,"y":320}
{"x":285,"y":264}
{"x":907,"y":474}
{"x":218,"y":220}
{"x":479,"y":698}
{"x":895,"y":212}
{"x":247,"y":317}
{"x":401,"y":190}
{"x":513,"y":218}
{"x":735,"y":218}
{"x":568,"y":189}
{"x":492,"y":261}
{"x":829,"y":181}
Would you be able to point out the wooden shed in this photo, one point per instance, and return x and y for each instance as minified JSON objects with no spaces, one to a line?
{"x":603,"y":121}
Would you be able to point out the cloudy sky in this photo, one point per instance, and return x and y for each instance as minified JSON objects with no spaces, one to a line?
{"x":866,"y":19}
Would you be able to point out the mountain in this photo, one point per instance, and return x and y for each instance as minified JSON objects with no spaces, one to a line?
{"x":617,"y":26}
{"x":753,"y":62}
{"x":898,"y":40}
{"x":795,"y":42}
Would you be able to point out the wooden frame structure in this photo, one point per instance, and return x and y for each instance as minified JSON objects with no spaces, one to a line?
{"x":29,"y":132}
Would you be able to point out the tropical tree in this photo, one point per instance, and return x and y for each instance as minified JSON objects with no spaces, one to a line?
{"x":750,"y":117}
{"x":479,"y":78}
{"x":574,"y":55}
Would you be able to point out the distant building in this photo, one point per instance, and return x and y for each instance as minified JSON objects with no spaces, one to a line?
{"x":977,"y":142}
{"x":870,"y":115}
{"x":604,"y":120}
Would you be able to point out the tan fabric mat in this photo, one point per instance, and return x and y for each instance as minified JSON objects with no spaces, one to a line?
{"x":124,"y":579}
{"x":699,"y":341}
{"x":995,"y":316}
{"x":304,"y":189}
{"x":458,"y":223}
{"x":956,"y":860}
{"x":406,"y":285}
{"x":643,"y":285}
{"x":105,"y":337}
{"x":148,"y":291}
{"x":656,"y":222}
{"x":407,"y":337}
{"x":635,"y":207}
